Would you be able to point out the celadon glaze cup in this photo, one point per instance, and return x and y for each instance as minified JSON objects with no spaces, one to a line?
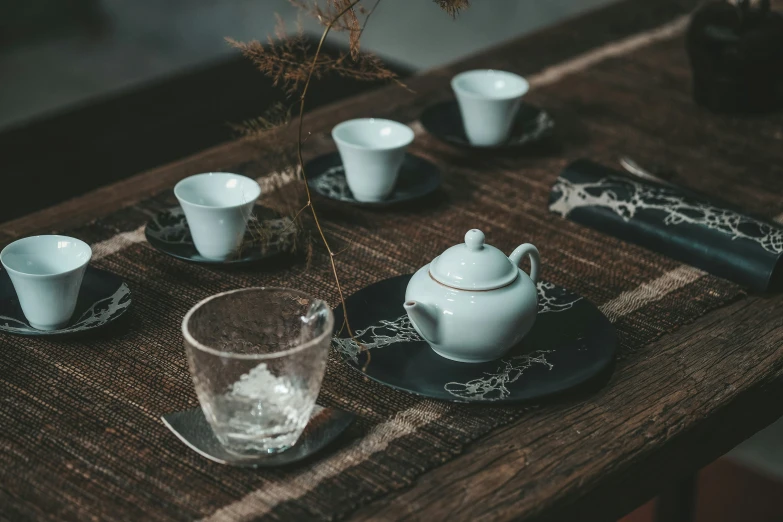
{"x":372,"y":151}
{"x":47,"y":272}
{"x":217,"y":206}
{"x":488,"y":101}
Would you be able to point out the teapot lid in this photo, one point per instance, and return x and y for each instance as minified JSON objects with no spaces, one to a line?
{"x":473,"y":265}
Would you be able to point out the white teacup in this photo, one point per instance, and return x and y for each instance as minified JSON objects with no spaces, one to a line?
{"x":217,"y":206}
{"x":47,"y":272}
{"x":372,"y":151}
{"x":488,"y":101}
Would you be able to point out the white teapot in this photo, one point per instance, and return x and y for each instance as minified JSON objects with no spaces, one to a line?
{"x":472,"y":303}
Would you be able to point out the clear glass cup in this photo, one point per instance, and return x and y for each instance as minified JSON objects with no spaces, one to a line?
{"x":257,"y":357}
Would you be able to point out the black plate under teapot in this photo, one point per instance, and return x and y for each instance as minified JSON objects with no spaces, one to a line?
{"x":571,"y":343}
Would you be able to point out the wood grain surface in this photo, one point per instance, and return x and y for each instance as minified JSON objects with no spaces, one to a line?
{"x":686,"y":400}
{"x":675,"y":406}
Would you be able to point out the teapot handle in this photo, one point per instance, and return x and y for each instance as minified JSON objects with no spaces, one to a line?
{"x":527,"y":250}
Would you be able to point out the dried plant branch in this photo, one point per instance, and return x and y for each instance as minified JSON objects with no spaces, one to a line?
{"x":286,"y":62}
{"x":367,"y":19}
{"x":338,"y":15}
{"x":453,"y":7}
{"x":302,"y":99}
{"x":291,"y":64}
{"x":343,"y":250}
{"x":274,"y":118}
{"x":280,"y":163}
{"x":289,"y":60}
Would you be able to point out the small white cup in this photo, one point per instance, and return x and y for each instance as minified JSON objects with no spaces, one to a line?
{"x":217,"y":206}
{"x":488,"y":101}
{"x":372,"y":151}
{"x":47,"y":272}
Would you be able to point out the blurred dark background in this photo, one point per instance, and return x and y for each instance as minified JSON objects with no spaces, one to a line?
{"x":92,"y":91}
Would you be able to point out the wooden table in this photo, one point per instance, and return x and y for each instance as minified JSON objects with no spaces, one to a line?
{"x":696,"y":393}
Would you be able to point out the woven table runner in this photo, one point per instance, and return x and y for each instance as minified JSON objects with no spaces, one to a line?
{"x":82,"y":437}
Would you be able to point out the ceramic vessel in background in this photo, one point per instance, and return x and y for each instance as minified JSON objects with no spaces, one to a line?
{"x":736,"y":51}
{"x":472,"y":303}
{"x":47,"y":272}
{"x":488,"y":101}
{"x":372,"y":151}
{"x":217,"y":206}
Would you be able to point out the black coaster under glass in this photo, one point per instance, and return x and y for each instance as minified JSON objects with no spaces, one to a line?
{"x":103,"y":298}
{"x":268,"y":234}
{"x":444,"y":121}
{"x":571,"y":343}
{"x":324,"y":426}
{"x":418,"y":178}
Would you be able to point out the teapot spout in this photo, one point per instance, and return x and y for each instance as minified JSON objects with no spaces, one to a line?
{"x":424,"y":319}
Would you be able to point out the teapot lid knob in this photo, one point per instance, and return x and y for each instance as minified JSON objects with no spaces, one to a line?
{"x":474,"y":239}
{"x":473,"y":265}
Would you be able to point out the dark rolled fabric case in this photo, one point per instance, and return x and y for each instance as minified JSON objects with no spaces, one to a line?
{"x":672,"y":221}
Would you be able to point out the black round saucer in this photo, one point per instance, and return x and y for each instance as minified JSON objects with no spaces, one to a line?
{"x":103,"y":298}
{"x":418,"y":178}
{"x":570,"y":343}
{"x":169,"y":233}
{"x":444,"y":121}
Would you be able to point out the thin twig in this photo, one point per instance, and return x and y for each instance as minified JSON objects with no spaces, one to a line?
{"x":301,"y":163}
{"x":367,"y":19}
{"x":343,"y":250}
{"x":293,"y":220}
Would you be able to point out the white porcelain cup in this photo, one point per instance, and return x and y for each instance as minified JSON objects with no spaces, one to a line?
{"x":47,"y":272}
{"x":488,"y":101}
{"x":217,"y":206}
{"x":372,"y":151}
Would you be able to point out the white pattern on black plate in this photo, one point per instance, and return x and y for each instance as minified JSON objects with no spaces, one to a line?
{"x":417,"y":178}
{"x":171,"y":227}
{"x":98,"y":314}
{"x":444,"y":121}
{"x":542,"y":126}
{"x":494,"y":386}
{"x":571,"y":344}
{"x":551,"y":299}
{"x":267,"y":234}
{"x":332,"y":184}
